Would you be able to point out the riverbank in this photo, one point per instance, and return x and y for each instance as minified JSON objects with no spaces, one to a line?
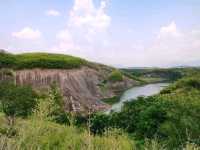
{"x":135,"y":92}
{"x":111,"y":101}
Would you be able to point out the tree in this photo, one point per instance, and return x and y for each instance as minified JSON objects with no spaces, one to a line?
{"x":51,"y":107}
{"x":99,"y":123}
{"x":17,"y":100}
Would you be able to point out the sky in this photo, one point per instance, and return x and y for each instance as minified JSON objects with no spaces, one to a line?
{"x":129,"y":33}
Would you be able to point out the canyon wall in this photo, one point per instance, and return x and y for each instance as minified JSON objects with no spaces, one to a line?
{"x":80,"y":87}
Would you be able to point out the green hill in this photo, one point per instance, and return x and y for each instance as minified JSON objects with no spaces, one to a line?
{"x":40,"y":60}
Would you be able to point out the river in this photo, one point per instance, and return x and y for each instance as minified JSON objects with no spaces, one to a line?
{"x":133,"y":93}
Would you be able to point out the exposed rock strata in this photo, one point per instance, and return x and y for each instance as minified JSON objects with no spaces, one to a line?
{"x":80,"y":87}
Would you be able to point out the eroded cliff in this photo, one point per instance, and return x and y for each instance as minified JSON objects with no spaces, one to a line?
{"x":80,"y":87}
{"x":83,"y":84}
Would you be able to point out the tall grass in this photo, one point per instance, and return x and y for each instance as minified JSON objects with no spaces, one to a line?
{"x":37,"y":134}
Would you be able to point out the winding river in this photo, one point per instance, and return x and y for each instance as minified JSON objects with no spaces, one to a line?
{"x":133,"y":93}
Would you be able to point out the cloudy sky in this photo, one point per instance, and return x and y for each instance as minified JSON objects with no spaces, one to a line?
{"x":128,"y":33}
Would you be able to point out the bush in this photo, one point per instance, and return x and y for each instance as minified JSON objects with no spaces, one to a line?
{"x":99,"y":123}
{"x":7,"y":60}
{"x":51,"y":107}
{"x":39,"y":134}
{"x":115,"y":76}
{"x":172,"y":116}
{"x":17,"y":100}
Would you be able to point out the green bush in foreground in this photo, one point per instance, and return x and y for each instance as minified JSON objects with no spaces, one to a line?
{"x":41,"y":131}
{"x":36,"y":135}
{"x":17,"y":100}
{"x":51,"y":107}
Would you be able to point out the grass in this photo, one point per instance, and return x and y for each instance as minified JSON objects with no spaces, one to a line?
{"x":37,"y":134}
{"x":39,"y":131}
{"x":40,"y":60}
{"x":133,"y":77}
{"x":152,"y":79}
{"x":112,"y":100}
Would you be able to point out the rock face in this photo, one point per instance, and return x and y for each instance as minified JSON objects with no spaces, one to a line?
{"x":80,"y":87}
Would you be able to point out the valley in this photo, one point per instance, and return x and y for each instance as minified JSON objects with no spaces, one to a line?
{"x":54,"y":101}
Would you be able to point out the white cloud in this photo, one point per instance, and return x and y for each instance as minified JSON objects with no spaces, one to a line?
{"x":169,"y":31}
{"x":65,"y":40}
{"x":170,"y":47}
{"x":85,"y":27}
{"x":27,"y":33}
{"x":173,"y":47}
{"x":85,"y":15}
{"x":52,"y":12}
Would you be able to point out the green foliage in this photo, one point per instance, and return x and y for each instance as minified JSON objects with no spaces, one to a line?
{"x":41,"y":134}
{"x":80,"y":120}
{"x":143,"y":116}
{"x":157,"y":74}
{"x":112,"y":100}
{"x":99,"y":123}
{"x":185,"y":84}
{"x":172,"y":116}
{"x":51,"y":107}
{"x":40,"y":60}
{"x":133,"y":77}
{"x":115,"y":76}
{"x":7,"y":60}
{"x":17,"y":100}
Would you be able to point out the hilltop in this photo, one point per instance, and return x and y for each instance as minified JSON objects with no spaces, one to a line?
{"x":40,"y":60}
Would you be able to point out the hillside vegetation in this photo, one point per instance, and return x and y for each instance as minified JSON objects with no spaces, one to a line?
{"x":169,"y":120}
{"x":40,"y":60}
{"x":150,"y":75}
{"x":171,"y":117}
{"x":31,"y":120}
{"x":24,"y":125}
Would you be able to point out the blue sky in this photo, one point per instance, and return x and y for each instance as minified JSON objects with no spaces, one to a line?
{"x":127,"y":33}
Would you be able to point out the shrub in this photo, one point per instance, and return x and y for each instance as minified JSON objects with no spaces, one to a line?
{"x":51,"y":107}
{"x":99,"y":123}
{"x":115,"y":76}
{"x":17,"y":100}
{"x":172,"y":116}
{"x":39,"y":134}
{"x":7,"y":60}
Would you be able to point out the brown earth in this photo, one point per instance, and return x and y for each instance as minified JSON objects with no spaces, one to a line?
{"x":81,"y":88}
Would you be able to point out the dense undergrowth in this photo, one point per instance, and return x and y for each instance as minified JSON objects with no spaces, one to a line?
{"x":40,"y":134}
{"x":40,"y":60}
{"x":48,"y":126}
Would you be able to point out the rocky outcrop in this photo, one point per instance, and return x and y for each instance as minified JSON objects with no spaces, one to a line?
{"x":80,"y":87}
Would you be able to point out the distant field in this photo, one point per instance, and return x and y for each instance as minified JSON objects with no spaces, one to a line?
{"x":40,"y":60}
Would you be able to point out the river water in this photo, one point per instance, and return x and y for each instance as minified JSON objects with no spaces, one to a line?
{"x":133,"y":93}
